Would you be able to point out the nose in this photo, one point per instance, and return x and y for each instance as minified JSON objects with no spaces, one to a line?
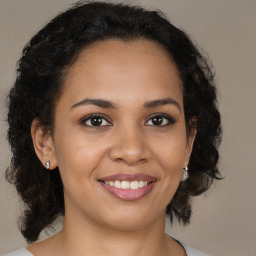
{"x":130,"y":146}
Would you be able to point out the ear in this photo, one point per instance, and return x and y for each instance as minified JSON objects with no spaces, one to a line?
{"x":190,"y":142}
{"x":43,"y":144}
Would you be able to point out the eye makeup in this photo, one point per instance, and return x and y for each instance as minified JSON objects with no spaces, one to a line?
{"x":100,"y":120}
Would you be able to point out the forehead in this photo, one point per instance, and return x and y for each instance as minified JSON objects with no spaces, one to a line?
{"x":124,"y":71}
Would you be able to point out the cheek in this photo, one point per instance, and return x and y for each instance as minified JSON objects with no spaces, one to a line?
{"x":171,"y":153}
{"x":170,"y":158}
{"x":77,"y":158}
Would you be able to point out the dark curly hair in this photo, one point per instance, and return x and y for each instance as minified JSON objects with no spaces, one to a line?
{"x":41,"y":70}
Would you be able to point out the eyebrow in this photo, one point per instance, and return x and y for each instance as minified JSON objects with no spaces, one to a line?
{"x":161,"y":102}
{"x":98,"y":102}
{"x":108,"y":104}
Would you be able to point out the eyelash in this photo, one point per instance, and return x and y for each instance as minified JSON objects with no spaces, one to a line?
{"x":170,"y":120}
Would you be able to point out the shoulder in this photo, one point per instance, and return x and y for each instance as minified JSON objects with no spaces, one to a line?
{"x":193,"y":252}
{"x":20,"y":252}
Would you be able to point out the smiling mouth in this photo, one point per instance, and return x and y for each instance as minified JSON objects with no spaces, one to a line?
{"x":136,"y":184}
{"x":128,"y":187}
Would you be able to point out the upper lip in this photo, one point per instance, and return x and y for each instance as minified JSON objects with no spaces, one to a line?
{"x":129,"y":177}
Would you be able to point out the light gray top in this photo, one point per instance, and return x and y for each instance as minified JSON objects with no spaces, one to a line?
{"x":20,"y":252}
{"x":190,"y":252}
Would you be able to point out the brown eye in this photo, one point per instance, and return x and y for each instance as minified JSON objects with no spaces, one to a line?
{"x":161,"y":120}
{"x":95,"y":120}
{"x":157,"y":120}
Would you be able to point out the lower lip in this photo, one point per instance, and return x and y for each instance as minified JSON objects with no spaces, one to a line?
{"x":129,"y":194}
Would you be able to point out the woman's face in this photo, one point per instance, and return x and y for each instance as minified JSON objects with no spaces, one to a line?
{"x":120,"y":138}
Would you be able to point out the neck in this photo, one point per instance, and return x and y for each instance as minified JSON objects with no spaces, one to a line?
{"x":89,"y":239}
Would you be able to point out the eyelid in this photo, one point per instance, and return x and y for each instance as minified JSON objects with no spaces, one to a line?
{"x":170,"y":119}
{"x":90,"y":116}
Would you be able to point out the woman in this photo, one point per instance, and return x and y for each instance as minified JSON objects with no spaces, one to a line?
{"x":113,"y":124}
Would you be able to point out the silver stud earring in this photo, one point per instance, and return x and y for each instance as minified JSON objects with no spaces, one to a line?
{"x":184,"y":174}
{"x":47,"y":165}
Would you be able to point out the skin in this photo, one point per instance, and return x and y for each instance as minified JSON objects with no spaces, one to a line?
{"x":128,"y":74}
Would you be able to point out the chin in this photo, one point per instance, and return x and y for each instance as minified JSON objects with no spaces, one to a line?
{"x":132,"y":219}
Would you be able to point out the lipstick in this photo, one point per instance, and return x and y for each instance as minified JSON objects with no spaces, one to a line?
{"x":128,"y":186}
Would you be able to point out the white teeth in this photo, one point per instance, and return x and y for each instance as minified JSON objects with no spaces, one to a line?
{"x":141,"y":184}
{"x":125,"y":184}
{"x":117,"y":184}
{"x":136,"y":184}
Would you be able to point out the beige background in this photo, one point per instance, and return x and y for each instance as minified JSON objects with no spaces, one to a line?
{"x":224,"y":220}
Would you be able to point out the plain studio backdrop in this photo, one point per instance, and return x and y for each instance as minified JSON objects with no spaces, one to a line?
{"x":223,"y":221}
